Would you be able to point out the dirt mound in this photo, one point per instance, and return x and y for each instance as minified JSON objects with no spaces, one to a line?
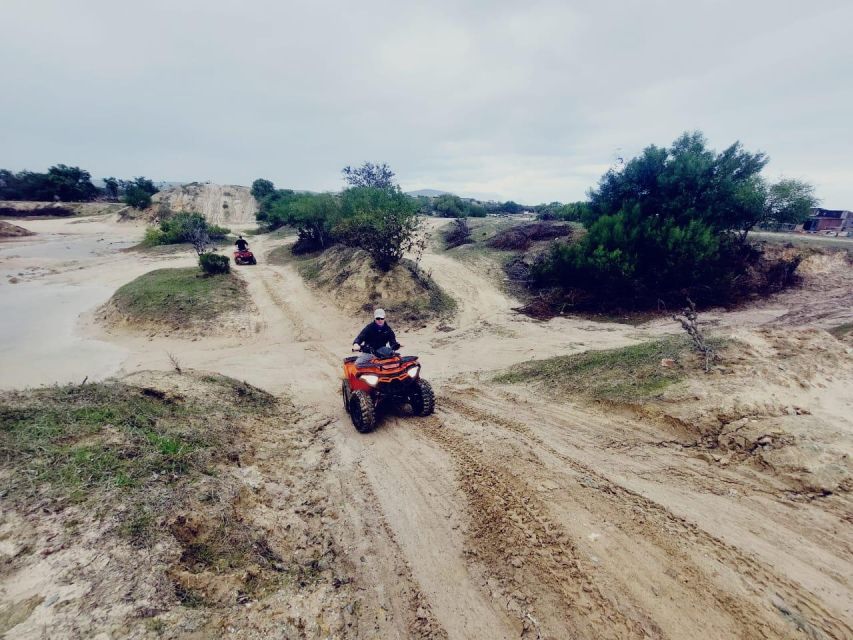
{"x":356,"y":285}
{"x":150,"y":513}
{"x":219,"y":204}
{"x":9,"y":230}
{"x":819,"y":263}
{"x":181,"y":302}
{"x":519,"y":238}
{"x":752,"y":409}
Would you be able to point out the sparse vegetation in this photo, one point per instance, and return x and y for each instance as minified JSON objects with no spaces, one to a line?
{"x":406,"y":291}
{"x":150,"y":465}
{"x":843,"y":331}
{"x":179,"y":296}
{"x":626,"y":375}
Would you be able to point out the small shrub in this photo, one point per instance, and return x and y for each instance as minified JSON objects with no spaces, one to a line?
{"x":153,"y":237}
{"x":457,"y":234}
{"x":213,"y":263}
{"x":137,"y":198}
{"x":520,"y":237}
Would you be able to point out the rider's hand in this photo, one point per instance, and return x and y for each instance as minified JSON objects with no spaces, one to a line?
{"x":356,"y":347}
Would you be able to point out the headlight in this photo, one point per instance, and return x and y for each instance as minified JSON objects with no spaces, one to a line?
{"x":370,"y":379}
{"x":413,"y":372}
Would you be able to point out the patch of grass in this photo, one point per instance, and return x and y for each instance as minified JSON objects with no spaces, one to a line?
{"x":155,"y":625}
{"x":284,"y":255}
{"x":139,"y":527}
{"x":627,"y":375}
{"x":188,"y":597}
{"x":150,"y":464}
{"x":178,"y":296}
{"x":75,"y":441}
{"x":310,"y":271}
{"x":438,"y":303}
{"x":842,"y":331}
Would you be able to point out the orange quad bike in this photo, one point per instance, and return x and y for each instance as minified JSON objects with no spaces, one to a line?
{"x":386,"y":379}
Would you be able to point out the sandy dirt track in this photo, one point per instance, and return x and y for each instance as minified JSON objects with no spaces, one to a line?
{"x":506,"y":514}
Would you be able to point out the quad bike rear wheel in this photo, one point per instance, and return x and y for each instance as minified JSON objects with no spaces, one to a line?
{"x":344,"y":390}
{"x":362,"y":412}
{"x":422,"y":398}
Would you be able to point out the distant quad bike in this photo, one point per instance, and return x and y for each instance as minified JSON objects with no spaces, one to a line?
{"x":244,"y":257}
{"x":385,"y":380}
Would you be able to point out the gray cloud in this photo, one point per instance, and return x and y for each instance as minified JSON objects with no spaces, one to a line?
{"x":527,"y":102}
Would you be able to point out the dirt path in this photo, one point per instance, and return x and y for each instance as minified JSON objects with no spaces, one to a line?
{"x":504,"y":515}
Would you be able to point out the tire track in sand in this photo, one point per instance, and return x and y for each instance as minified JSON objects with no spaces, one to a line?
{"x":645,"y":518}
{"x":535,"y":562}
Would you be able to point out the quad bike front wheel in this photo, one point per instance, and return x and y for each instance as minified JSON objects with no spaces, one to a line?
{"x":422,"y":398}
{"x":362,"y":412}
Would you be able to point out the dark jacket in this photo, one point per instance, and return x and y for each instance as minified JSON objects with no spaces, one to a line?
{"x":375,"y":336}
{"x":241,"y":244}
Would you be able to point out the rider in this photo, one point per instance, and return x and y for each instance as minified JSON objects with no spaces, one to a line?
{"x":242,"y":245}
{"x":375,"y":335}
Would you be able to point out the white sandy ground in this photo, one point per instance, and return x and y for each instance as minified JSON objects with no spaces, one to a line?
{"x":506,"y":514}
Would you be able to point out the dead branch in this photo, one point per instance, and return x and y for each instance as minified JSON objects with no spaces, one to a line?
{"x":689,"y":320}
{"x":175,"y":363}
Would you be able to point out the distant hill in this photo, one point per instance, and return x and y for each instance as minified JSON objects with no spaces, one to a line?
{"x":429,"y":193}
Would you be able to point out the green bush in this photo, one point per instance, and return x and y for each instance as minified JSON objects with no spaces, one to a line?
{"x":153,"y":237}
{"x":213,"y":263}
{"x":137,"y":198}
{"x":183,"y":227}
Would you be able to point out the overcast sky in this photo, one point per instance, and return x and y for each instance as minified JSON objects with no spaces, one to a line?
{"x":529,"y":101}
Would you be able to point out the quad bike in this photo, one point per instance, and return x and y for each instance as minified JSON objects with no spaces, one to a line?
{"x":387,"y":379}
{"x":244,"y":257}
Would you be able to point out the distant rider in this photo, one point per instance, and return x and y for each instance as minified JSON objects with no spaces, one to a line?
{"x":375,"y":335}
{"x":242,"y":245}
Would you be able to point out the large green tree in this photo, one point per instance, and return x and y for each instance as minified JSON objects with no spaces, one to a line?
{"x":673,"y":220}
{"x":262,"y":188}
{"x":377,"y":176}
{"x":382,"y":221}
{"x":138,"y":192}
